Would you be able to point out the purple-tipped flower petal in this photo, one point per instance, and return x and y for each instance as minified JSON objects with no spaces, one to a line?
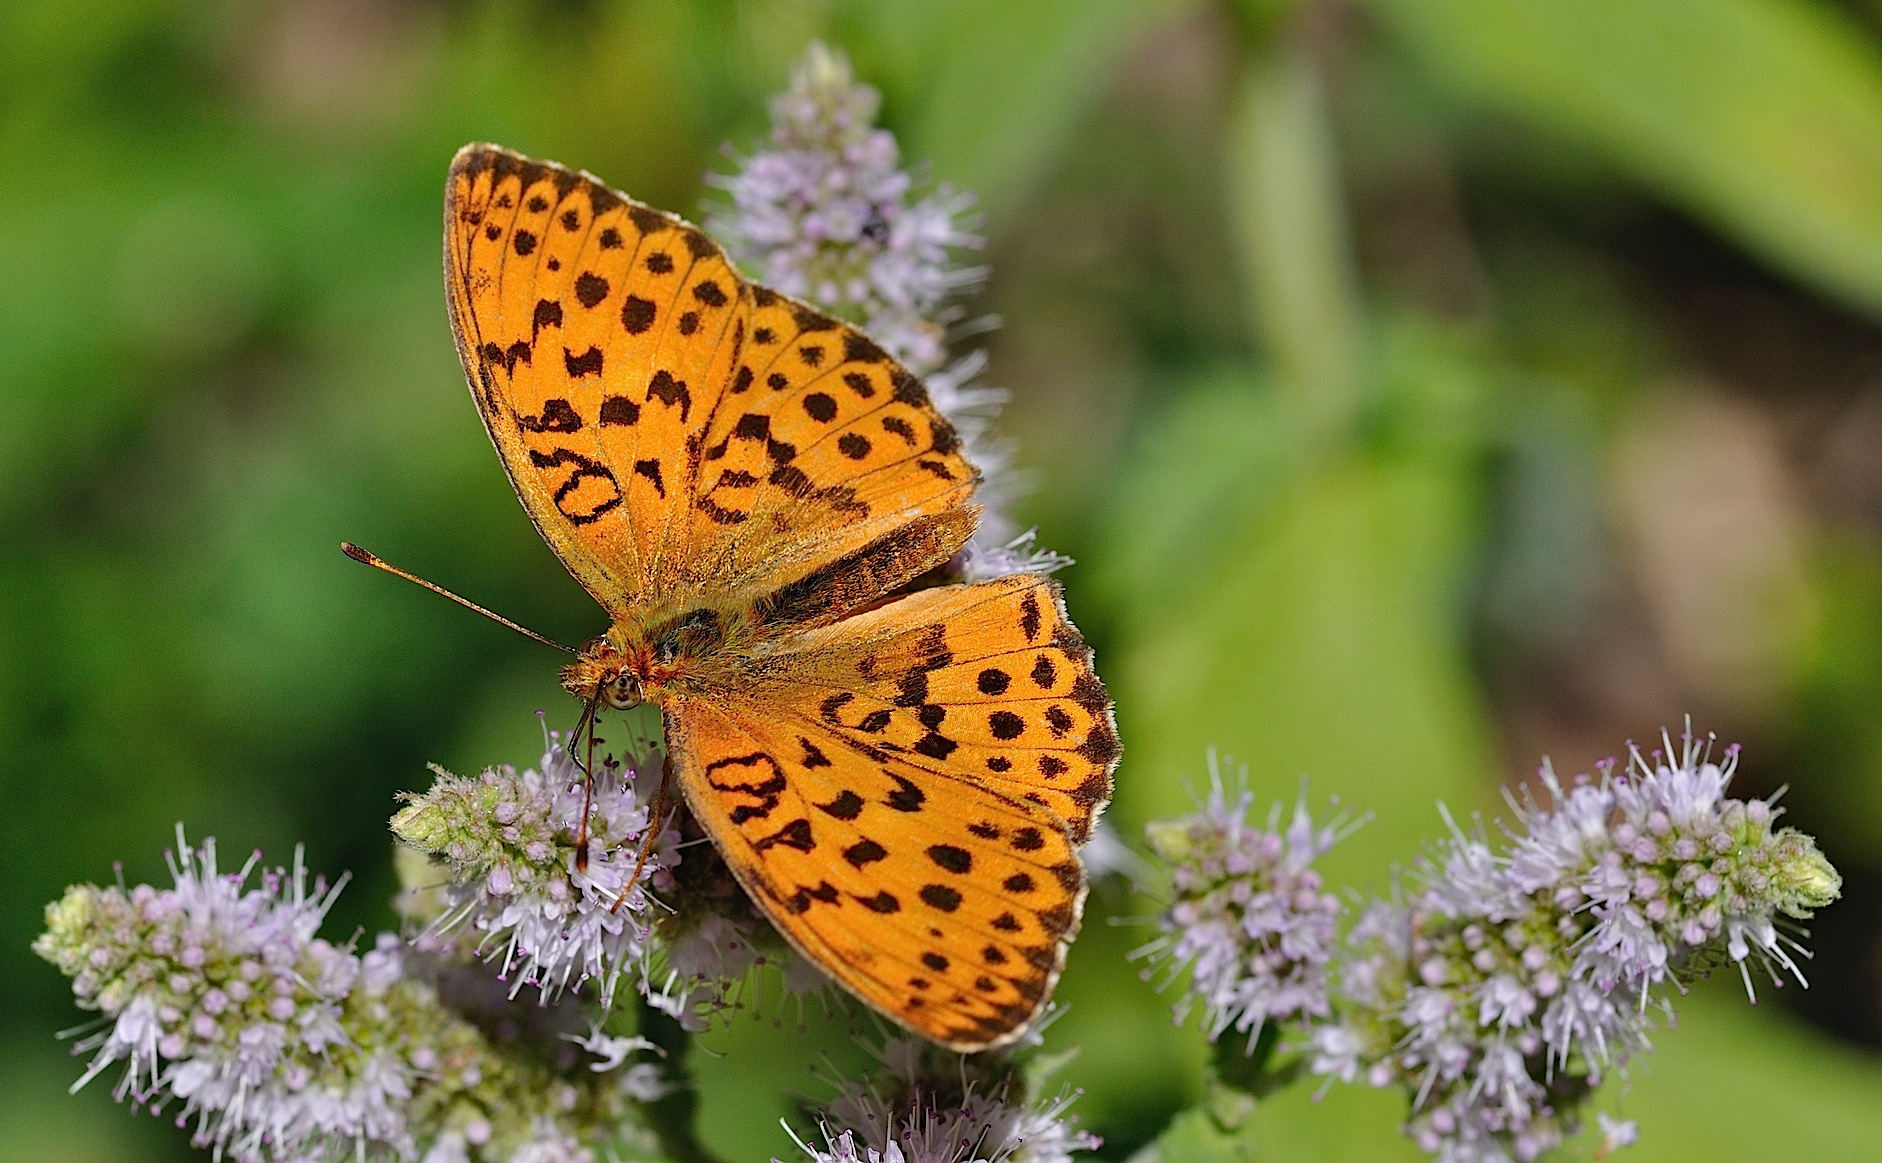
{"x":219,"y":996}
{"x":1500,"y":993}
{"x":1250,"y":923}
{"x":930,"y":1106}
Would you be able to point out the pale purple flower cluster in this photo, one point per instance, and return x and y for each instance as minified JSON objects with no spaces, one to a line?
{"x":1250,"y":921}
{"x":221,"y":998}
{"x":514,"y":892}
{"x":508,"y":839}
{"x":1501,"y":993}
{"x":930,"y":1106}
{"x":826,"y":213}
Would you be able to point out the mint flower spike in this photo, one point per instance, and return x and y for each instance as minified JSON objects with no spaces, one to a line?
{"x":928,"y":1105}
{"x":507,"y":839}
{"x":1500,"y":991}
{"x":1677,"y":878}
{"x":1250,"y":921}
{"x":222,"y":997}
{"x":826,"y":213}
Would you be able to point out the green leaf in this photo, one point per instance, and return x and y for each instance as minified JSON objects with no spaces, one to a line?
{"x":1762,"y":116}
{"x":1289,"y":219}
{"x":1298,"y":610}
{"x":1814,"y":1098}
{"x":1195,"y":1136}
{"x":994,"y":88}
{"x":1350,"y":1123}
{"x":1839,"y":737}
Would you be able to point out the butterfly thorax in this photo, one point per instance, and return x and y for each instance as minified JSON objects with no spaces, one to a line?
{"x":655,"y":659}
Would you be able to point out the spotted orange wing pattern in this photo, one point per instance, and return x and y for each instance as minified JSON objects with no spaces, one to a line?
{"x":672,"y":429}
{"x":904,"y":794}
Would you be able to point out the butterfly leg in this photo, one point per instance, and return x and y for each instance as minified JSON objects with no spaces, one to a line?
{"x":586,"y":726}
{"x":656,"y":824}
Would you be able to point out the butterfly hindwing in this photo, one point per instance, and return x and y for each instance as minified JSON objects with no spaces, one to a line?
{"x":852,"y":793}
{"x":877,"y":870}
{"x":998,"y":686}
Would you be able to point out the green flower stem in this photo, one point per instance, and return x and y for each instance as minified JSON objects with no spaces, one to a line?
{"x":1253,"y":1070}
{"x":674,"y":1118}
{"x":1288,"y":214}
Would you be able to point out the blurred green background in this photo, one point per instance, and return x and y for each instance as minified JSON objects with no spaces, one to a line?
{"x":1423,"y":386}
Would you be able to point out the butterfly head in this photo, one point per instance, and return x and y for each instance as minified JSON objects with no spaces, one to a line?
{"x":604,"y":674}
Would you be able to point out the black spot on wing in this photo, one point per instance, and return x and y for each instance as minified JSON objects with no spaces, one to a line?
{"x":588,"y":363}
{"x":951,"y":857}
{"x":637,"y":314}
{"x":1029,"y":618}
{"x":795,"y":834}
{"x":942,"y":897}
{"x":647,"y":220}
{"x":590,"y":289}
{"x":906,"y":797}
{"x":619,"y":410}
{"x":1057,"y":721}
{"x":846,"y":806}
{"x":671,"y":392}
{"x":573,"y":498}
{"x":858,"y":349}
{"x":557,"y":416}
{"x":1044,"y":674}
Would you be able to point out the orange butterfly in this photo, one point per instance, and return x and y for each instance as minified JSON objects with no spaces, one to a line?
{"x":900,"y":783}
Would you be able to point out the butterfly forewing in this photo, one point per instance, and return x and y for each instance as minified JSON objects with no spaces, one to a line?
{"x":818,"y":423}
{"x":667,"y":425}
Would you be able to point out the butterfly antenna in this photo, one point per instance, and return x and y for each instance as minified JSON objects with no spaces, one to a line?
{"x":656,"y":824}
{"x":367,"y":558}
